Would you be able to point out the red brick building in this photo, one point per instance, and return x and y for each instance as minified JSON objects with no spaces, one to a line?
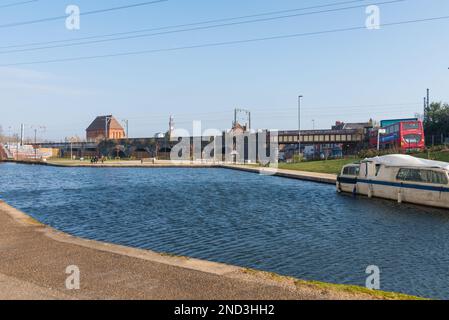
{"x":105,"y":127}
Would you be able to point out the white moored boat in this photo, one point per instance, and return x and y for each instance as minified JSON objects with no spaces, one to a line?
{"x":398,"y":177}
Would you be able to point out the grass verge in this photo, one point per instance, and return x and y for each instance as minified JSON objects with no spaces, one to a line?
{"x":324,"y":166}
{"x":335,"y":166}
{"x":343,"y":288}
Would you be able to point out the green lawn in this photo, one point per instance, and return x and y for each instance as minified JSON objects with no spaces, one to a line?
{"x":334,"y":166}
{"x":325,"y":166}
{"x":438,"y":156}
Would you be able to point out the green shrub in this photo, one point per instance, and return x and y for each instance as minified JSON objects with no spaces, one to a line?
{"x":371,"y":153}
{"x":298,"y":158}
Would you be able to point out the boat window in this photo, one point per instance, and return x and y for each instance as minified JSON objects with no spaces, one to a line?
{"x":377,"y":169}
{"x":351,"y":171}
{"x":424,"y":176}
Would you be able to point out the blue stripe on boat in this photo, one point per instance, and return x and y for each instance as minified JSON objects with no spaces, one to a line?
{"x":393,"y":184}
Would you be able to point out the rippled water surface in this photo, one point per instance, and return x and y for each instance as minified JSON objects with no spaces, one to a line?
{"x":291,"y":227}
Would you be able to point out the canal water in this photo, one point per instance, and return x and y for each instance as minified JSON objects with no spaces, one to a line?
{"x":291,"y":227}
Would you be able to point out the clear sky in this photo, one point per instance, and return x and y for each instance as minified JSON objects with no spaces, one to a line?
{"x":348,"y":76}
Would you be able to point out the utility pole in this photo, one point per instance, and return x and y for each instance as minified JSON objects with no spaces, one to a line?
{"x":248,"y":117}
{"x":42,"y":129}
{"x":299,"y":127}
{"x":9,"y":135}
{"x":35,"y":142}
{"x":235,"y":118}
{"x":126,"y":126}
{"x":106,"y":124}
{"x":22,"y":133}
{"x":425,"y":107}
{"x":171,"y":127}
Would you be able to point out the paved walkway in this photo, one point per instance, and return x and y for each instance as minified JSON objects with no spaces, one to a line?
{"x":34,"y":260}
{"x":292,"y":174}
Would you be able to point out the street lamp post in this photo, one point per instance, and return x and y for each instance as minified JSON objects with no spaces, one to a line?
{"x":9,"y":136}
{"x":35,"y":144}
{"x":41,"y":129}
{"x":299,"y":127}
{"x":379,"y":132}
{"x":126,"y":122}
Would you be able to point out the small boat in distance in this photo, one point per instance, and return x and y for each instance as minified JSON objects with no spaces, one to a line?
{"x":398,"y":177}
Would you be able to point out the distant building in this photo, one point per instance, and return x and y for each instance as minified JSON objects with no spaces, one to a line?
{"x":104,"y":127}
{"x":349,"y":126}
{"x":365,"y":126}
{"x":237,"y":128}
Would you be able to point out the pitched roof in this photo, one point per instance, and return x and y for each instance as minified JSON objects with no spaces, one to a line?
{"x":355,"y":125}
{"x":100,"y":123}
{"x":402,"y":160}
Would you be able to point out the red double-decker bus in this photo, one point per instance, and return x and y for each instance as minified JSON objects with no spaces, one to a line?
{"x":405,"y":136}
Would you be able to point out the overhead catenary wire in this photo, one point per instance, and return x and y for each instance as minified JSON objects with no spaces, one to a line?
{"x":207,"y":121}
{"x":277,"y":110}
{"x":218,"y":44}
{"x":258,"y":113}
{"x":179,"y":25}
{"x":15,"y":4}
{"x":196,"y":28}
{"x":86,"y":13}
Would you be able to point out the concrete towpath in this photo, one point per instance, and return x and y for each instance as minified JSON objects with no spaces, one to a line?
{"x":34,"y":258}
{"x":327,"y":178}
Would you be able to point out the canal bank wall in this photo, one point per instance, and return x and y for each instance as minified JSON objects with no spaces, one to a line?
{"x":35,"y":258}
{"x":325,"y":178}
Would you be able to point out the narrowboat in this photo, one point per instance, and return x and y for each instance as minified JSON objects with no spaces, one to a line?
{"x":398,"y":177}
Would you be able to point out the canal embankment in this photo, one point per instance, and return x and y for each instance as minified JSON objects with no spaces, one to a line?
{"x":291,"y":174}
{"x":35,"y":258}
{"x":319,"y":177}
{"x":118,"y":164}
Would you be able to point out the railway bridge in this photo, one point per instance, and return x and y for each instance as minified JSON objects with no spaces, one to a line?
{"x":349,"y":140}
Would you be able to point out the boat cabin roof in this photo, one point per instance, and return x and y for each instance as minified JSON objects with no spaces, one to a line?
{"x":402,"y":160}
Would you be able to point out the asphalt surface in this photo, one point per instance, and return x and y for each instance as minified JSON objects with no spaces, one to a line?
{"x":34,"y":258}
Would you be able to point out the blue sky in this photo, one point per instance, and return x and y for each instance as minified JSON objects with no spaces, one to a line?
{"x":349,"y":76}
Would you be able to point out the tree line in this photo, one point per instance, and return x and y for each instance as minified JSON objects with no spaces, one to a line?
{"x":436,"y":122}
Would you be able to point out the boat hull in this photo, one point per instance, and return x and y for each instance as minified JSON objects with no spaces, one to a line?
{"x":432,"y":196}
